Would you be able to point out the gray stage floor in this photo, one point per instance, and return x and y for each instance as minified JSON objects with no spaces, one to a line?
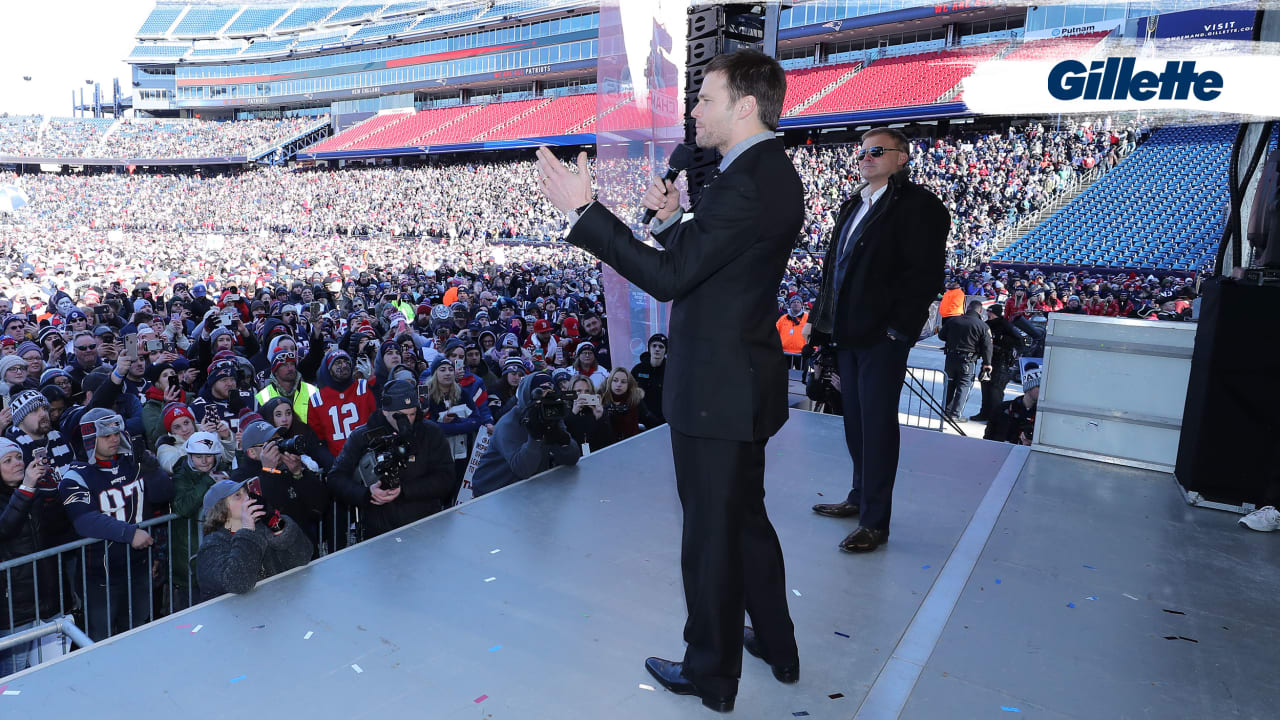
{"x":431,"y":622}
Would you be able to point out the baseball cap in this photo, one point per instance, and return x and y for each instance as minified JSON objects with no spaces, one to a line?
{"x":257,"y":433}
{"x":220,"y":490}
{"x":542,"y":325}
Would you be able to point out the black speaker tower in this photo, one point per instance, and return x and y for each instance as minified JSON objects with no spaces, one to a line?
{"x":714,"y":30}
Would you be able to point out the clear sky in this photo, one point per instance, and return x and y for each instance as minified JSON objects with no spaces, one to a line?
{"x":60,"y":44}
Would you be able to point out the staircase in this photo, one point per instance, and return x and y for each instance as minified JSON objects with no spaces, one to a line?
{"x":587,"y":123}
{"x":824,"y":91}
{"x":419,"y":140}
{"x":511,"y":120}
{"x":1019,"y":231}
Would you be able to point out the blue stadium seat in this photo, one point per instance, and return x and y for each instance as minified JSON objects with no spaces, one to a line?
{"x":255,"y":20}
{"x":158,"y":22}
{"x":1162,"y":207}
{"x":203,"y":21}
{"x":304,"y":17}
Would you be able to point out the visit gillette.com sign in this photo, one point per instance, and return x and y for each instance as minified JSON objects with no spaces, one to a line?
{"x":1116,"y":79}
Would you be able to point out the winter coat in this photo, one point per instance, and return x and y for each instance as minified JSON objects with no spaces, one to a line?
{"x":189,"y":487}
{"x":426,"y":482}
{"x":21,"y":534}
{"x":514,"y":454}
{"x":234,"y":562}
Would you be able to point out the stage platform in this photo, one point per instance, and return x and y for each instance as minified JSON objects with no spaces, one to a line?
{"x":1014,"y":582}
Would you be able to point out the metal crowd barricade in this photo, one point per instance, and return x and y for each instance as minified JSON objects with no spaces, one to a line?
{"x":920,"y":400}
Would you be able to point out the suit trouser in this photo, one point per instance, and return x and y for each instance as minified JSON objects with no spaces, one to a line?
{"x":870,"y":384}
{"x":730,"y":560}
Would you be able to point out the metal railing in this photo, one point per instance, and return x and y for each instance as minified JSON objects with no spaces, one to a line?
{"x":106,"y":604}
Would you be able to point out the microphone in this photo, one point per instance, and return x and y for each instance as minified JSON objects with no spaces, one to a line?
{"x":679,"y":161}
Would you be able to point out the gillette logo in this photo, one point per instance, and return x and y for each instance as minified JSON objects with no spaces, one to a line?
{"x":1114,"y":79}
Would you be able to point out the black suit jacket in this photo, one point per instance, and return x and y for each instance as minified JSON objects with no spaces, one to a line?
{"x":721,"y":266}
{"x":894,"y":272}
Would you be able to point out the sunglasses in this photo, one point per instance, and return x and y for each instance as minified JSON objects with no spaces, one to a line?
{"x":286,"y":356}
{"x":874,"y":152}
{"x":87,"y":347}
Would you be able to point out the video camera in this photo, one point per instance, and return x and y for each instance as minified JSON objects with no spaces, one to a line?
{"x":296,"y":445}
{"x":391,"y":455}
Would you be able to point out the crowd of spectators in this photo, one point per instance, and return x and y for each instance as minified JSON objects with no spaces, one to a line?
{"x":31,"y":136}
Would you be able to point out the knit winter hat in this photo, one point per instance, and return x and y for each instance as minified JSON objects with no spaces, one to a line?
{"x":25,"y":403}
{"x":173,"y":411}
{"x":8,"y":362}
{"x":1031,"y":379}
{"x":27,"y":346}
{"x":8,"y":446}
{"x":515,"y":364}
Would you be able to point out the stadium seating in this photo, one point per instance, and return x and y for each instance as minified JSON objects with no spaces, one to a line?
{"x":378,"y":30}
{"x":304,"y":16}
{"x":557,"y":118}
{"x":318,"y":40}
{"x":402,"y":8}
{"x":1162,"y":208}
{"x":260,"y":47}
{"x":216,"y":49}
{"x":255,"y":21}
{"x":19,"y":134}
{"x":75,"y":137}
{"x":352,"y":13}
{"x":418,"y":129}
{"x":345,"y":139}
{"x":475,"y":124}
{"x":803,"y":84}
{"x":204,"y":21}
{"x":150,"y":50}
{"x":919,"y":79}
{"x":513,"y":7}
{"x":441,"y":20}
{"x":159,"y":21}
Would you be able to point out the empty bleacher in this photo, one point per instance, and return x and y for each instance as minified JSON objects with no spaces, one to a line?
{"x":345,"y":139}
{"x":204,"y":21}
{"x":304,"y":16}
{"x":317,"y":40}
{"x":352,"y":13}
{"x":378,"y":30}
{"x":255,"y":21}
{"x":159,"y":21}
{"x":557,"y":118}
{"x":402,"y":8}
{"x":414,"y":130}
{"x":154,"y":50}
{"x":904,"y":81}
{"x":1164,"y":207}
{"x":804,"y":84}
{"x":468,"y":123}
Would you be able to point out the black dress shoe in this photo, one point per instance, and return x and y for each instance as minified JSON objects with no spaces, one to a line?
{"x":978,"y":418}
{"x":784,"y":673}
{"x":840,"y":509}
{"x":671,"y":676}
{"x":864,"y":540}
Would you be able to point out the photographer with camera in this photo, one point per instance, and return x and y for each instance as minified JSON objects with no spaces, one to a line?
{"x":397,"y":468}
{"x":238,"y":548}
{"x":529,"y":439}
{"x":281,"y":481}
{"x":823,"y":386}
{"x":1015,"y":421}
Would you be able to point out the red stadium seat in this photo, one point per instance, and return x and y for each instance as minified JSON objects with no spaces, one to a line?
{"x":904,"y":81}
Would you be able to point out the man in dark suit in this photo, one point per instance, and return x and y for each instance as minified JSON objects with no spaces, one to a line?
{"x":726,"y":389}
{"x":883,"y":268}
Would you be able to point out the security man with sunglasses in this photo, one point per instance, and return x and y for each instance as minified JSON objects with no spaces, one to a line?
{"x":883,"y":268}
{"x":286,"y":382}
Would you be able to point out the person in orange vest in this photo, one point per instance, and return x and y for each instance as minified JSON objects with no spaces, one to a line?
{"x":952,"y":304}
{"x":791,"y":329}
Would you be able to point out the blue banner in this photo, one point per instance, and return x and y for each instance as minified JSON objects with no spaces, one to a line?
{"x":1230,"y":22}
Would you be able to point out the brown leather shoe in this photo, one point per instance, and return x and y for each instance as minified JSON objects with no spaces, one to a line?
{"x":840,"y":509}
{"x":864,"y":540}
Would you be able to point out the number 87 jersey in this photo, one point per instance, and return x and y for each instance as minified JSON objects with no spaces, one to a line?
{"x":335,"y":414}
